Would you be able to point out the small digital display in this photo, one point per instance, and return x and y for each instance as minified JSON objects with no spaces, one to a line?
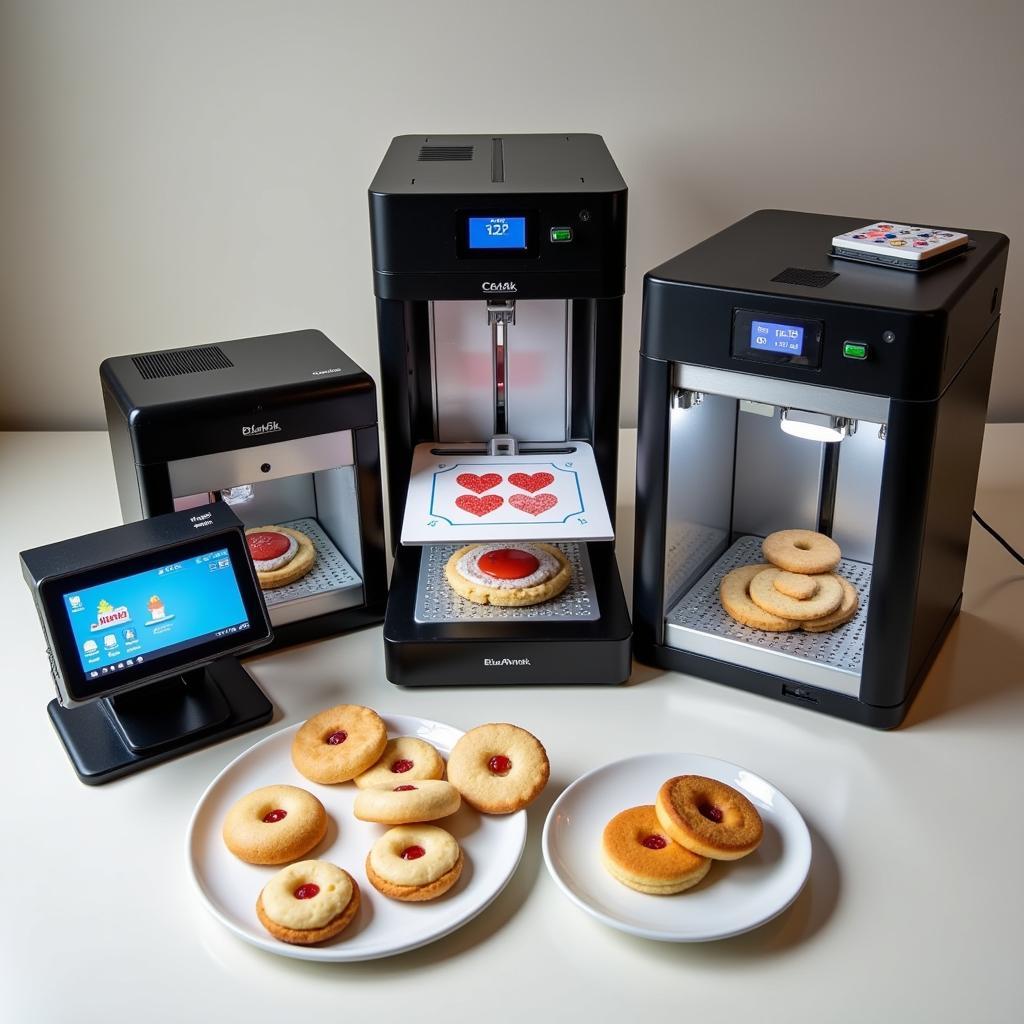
{"x":785,"y":339}
{"x":125,"y":622}
{"x":496,"y":232}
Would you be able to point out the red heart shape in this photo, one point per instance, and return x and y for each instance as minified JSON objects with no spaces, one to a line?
{"x":478,"y":484}
{"x":479,"y":506}
{"x":532,"y":482}
{"x":533,"y":504}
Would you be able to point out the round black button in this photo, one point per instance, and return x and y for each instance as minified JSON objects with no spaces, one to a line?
{"x":888,"y":337}
{"x":265,"y":468}
{"x":584,"y":215}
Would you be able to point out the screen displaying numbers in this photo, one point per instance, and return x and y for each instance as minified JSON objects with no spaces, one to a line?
{"x":786,"y":339}
{"x":497,"y":232}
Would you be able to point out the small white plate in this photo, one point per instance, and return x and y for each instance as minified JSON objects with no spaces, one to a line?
{"x":492,"y":844}
{"x":735,"y":897}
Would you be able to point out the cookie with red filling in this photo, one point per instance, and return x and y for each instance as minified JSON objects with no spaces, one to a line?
{"x":508,"y":574}
{"x":280,"y":555}
{"x":498,"y":768}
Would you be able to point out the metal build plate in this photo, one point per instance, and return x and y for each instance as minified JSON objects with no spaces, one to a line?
{"x":437,"y":602}
{"x":330,"y":586}
{"x":832,"y":661}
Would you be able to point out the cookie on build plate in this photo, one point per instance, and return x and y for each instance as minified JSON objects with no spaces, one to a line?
{"x":498,"y":768}
{"x":280,"y":555}
{"x":513,"y":576}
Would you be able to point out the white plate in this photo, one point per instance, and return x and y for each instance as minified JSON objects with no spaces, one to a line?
{"x":492,"y":844}
{"x":735,"y":896}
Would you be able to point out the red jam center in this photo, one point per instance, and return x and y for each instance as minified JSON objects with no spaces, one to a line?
{"x":337,"y":737}
{"x":275,"y":815}
{"x":402,"y":789}
{"x":403,"y":764}
{"x":712,"y":813}
{"x":307,"y":891}
{"x":654,"y":842}
{"x":508,"y":563}
{"x":266,"y":545}
{"x":500,"y":764}
{"x":413,"y":853}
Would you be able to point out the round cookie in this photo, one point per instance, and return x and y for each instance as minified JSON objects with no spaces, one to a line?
{"x":338,"y":744}
{"x":842,"y":615}
{"x":827,"y":596}
{"x":554,"y":576}
{"x":498,"y":768}
{"x":414,"y":863}
{"x":422,"y":800}
{"x":308,"y":902}
{"x":795,"y":585}
{"x":708,"y":817}
{"x":402,"y":760}
{"x":801,"y":551}
{"x":635,"y":851}
{"x":274,"y":824}
{"x":734,"y":593}
{"x":295,"y":568}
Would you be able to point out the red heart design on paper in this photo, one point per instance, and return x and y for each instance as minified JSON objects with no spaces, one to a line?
{"x":534,"y":504}
{"x":532,"y":482}
{"x":479,"y":506}
{"x":478,"y":484}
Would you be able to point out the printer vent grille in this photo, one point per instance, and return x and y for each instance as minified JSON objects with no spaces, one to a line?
{"x":181,"y":361}
{"x":429,"y":153}
{"x":808,"y":278}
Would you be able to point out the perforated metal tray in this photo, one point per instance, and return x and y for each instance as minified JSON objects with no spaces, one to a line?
{"x":698,"y":623}
{"x":437,"y":602}
{"x":331,"y":585}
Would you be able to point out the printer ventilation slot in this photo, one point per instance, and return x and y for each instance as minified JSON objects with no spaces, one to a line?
{"x":439,"y":153}
{"x":178,"y":362}
{"x":808,"y":278}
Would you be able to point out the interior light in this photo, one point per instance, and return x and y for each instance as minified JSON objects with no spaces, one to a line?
{"x":816,"y":426}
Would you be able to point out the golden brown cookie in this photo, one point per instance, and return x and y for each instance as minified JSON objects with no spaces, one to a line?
{"x":846,"y":611}
{"x":308,"y":902}
{"x":338,"y":744}
{"x":827,"y":596}
{"x":551,"y":577}
{"x":801,"y":551}
{"x":414,"y":863}
{"x":795,"y":585}
{"x":403,"y":759}
{"x":734,"y":593}
{"x":498,"y":768}
{"x":636,"y":852}
{"x":274,"y":824}
{"x":298,"y":565}
{"x":406,"y":802}
{"x":708,"y":817}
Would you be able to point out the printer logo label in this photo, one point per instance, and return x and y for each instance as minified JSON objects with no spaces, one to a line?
{"x":254,"y":430}
{"x":498,"y":286}
{"x":506,"y":662}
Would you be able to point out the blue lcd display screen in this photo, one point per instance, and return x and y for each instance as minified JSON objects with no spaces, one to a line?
{"x":497,"y":232}
{"x":124,"y":622}
{"x":785,"y":339}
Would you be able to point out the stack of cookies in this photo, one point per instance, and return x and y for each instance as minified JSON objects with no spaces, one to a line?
{"x":796,"y":589}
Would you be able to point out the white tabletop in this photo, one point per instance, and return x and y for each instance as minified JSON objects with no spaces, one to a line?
{"x":911,"y":912}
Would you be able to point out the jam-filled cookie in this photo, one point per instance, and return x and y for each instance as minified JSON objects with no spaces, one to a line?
{"x":708,"y":817}
{"x":274,"y":825}
{"x":414,"y":863}
{"x":308,"y":902}
{"x":403,"y":759}
{"x":406,"y":802}
{"x":340,"y":743}
{"x":637,"y":852}
{"x":509,"y":575}
{"x":280,"y":555}
{"x":498,"y":768}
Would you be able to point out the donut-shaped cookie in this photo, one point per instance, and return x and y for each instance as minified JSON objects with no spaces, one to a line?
{"x":550,"y":573}
{"x":414,"y":863}
{"x":308,"y":902}
{"x":801,"y":551}
{"x":734,"y":593}
{"x":406,"y":802}
{"x":289,"y":566}
{"x":498,"y":768}
{"x":708,"y":817}
{"x":636,"y":852}
{"x":274,"y":825}
{"x":403,"y":759}
{"x":338,"y":744}
{"x":842,"y":615}
{"x":827,"y":596}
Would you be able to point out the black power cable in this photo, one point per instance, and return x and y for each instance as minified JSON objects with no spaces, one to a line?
{"x":985,"y":526}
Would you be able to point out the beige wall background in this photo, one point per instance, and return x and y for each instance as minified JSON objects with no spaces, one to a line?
{"x":181,"y":173}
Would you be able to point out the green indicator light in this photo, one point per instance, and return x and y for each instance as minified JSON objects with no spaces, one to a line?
{"x":855,"y":350}
{"x":561,"y":234}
